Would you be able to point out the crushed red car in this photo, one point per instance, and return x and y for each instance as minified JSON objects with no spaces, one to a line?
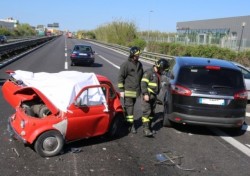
{"x":57,"y":108}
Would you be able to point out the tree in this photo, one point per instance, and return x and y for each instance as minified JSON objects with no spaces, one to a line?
{"x":24,"y":30}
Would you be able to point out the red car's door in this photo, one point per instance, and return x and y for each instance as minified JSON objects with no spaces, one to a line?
{"x":88,"y":115}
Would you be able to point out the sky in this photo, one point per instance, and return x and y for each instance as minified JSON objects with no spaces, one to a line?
{"x":153,"y":15}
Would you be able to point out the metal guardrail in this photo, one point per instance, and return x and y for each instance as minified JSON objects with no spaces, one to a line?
{"x":13,"y":46}
{"x":17,"y":45}
{"x":149,"y":56}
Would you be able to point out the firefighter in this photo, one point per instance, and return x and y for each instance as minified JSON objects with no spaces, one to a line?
{"x":129,"y":78}
{"x":150,"y":87}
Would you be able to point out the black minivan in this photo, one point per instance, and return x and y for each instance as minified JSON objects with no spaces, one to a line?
{"x":205,"y":91}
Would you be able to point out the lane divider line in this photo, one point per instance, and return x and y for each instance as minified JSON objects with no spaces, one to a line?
{"x":247,"y":114}
{"x":245,"y":127}
{"x":116,"y":66}
{"x":66,"y":56}
{"x":232,"y":141}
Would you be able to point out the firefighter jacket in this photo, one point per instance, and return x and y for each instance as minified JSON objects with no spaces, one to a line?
{"x":150,"y":83}
{"x":129,"y":78}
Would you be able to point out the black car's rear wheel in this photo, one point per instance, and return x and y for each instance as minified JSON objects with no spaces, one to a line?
{"x":50,"y":143}
{"x":166,"y":121}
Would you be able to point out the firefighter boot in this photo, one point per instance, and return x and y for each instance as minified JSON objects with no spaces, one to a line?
{"x":146,"y":130}
{"x":151,"y":127}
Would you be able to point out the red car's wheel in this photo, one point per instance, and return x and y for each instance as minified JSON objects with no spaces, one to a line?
{"x":50,"y":143}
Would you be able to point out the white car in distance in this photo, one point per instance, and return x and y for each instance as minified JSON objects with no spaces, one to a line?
{"x":246,"y":73}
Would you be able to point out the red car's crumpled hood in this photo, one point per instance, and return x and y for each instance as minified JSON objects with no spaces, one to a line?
{"x":48,"y":103}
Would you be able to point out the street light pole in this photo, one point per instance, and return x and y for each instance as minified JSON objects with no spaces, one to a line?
{"x":149,"y":22}
{"x":242,"y":30}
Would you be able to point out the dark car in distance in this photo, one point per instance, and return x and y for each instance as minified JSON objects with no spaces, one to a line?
{"x":82,"y":54}
{"x":3,"y":39}
{"x":205,"y":91}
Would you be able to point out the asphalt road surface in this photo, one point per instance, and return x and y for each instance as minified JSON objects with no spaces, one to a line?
{"x":192,"y":150}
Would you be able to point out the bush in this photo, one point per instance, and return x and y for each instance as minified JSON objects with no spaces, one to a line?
{"x":5,"y":31}
{"x":121,"y":33}
{"x":138,"y":42}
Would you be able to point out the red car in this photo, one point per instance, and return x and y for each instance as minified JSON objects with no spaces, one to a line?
{"x":56,"y":108}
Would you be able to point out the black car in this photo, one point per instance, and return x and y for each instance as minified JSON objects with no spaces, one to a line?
{"x":82,"y":54}
{"x":205,"y":91}
{"x":3,"y":39}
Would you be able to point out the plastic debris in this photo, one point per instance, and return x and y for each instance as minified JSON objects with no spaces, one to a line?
{"x":161,"y":158}
{"x":172,"y":159}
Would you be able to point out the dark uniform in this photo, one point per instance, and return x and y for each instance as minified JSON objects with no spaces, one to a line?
{"x":129,"y":78}
{"x":150,"y":85}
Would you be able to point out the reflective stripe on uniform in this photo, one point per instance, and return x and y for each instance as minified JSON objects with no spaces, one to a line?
{"x":152,"y":84}
{"x":145,"y":119}
{"x":145,"y":80}
{"x":130,"y":118}
{"x":150,"y":90}
{"x":137,"y":52}
{"x":120,"y":85}
{"x":131,"y":94}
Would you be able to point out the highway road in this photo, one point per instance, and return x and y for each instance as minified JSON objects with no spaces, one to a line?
{"x":194,"y":150}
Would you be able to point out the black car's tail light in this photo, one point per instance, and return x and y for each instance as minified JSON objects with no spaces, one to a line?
{"x":209,"y":67}
{"x":73,"y":55}
{"x":180,"y":90}
{"x":242,"y":95}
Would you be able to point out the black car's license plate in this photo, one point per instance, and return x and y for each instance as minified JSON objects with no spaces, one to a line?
{"x":211,"y":101}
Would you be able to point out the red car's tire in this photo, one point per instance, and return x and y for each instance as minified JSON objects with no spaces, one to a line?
{"x":49,"y":143}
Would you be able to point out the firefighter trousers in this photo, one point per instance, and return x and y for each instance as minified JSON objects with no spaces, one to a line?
{"x":129,"y":104}
{"x":148,"y":109}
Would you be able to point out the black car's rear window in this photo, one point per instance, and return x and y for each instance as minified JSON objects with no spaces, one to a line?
{"x":201,"y":76}
{"x":83,"y":49}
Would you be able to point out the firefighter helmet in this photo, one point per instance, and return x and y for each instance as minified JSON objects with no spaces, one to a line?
{"x":134,"y":51}
{"x":162,"y":65}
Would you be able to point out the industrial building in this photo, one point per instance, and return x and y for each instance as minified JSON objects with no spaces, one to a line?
{"x":232,"y":32}
{"x":8,"y":23}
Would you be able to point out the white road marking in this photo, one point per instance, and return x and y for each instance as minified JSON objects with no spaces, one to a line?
{"x":66,"y":56}
{"x":66,"y":65}
{"x":232,"y":141}
{"x":116,"y":66}
{"x":245,"y":127}
{"x":248,"y":145}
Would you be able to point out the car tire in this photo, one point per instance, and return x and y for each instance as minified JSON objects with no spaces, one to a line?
{"x":115,"y":126}
{"x":91,"y":64}
{"x":166,"y":121}
{"x":49,"y":143}
{"x":72,"y":64}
